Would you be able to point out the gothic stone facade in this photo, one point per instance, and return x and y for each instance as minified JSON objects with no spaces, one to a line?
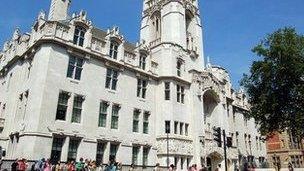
{"x":70,"y":90}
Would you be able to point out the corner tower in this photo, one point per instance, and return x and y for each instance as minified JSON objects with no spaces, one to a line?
{"x":173,"y":22}
{"x":59,"y":10}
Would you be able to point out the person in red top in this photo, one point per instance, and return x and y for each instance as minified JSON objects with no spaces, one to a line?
{"x":22,"y":165}
{"x":71,"y":166}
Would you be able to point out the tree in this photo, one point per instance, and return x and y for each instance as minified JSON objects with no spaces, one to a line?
{"x":275,"y":84}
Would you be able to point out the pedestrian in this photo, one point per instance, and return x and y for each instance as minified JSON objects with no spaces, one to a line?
{"x":290,"y":167}
{"x":218,"y":167}
{"x":132,"y":167}
{"x":14,"y":165}
{"x":80,"y":165}
{"x":112,"y":166}
{"x":172,"y":167}
{"x":47,"y":165}
{"x":156,"y":168}
{"x":204,"y":168}
{"x":22,"y":165}
{"x":92,"y":166}
{"x":194,"y":167}
{"x":71,"y":166}
{"x":58,"y":166}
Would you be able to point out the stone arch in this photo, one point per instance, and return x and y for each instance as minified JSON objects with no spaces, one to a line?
{"x":211,"y":100}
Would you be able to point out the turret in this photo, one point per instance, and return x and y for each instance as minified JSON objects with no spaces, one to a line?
{"x":59,"y":10}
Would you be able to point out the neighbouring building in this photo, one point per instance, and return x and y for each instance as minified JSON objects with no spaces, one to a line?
{"x":284,"y":149}
{"x":69,"y":89}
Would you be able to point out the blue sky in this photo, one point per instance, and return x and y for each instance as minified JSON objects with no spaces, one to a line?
{"x":231,"y":27}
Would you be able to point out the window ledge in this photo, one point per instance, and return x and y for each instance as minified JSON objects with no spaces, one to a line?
{"x":74,"y":81}
{"x":112,"y":91}
{"x":142,"y":99}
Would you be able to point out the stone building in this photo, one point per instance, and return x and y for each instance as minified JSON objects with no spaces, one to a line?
{"x":284,"y":149}
{"x":69,"y":89}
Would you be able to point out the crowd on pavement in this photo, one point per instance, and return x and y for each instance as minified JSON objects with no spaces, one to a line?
{"x":82,"y":165}
{"x":91,"y":165}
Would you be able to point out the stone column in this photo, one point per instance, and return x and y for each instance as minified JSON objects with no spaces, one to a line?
{"x":65,"y":149}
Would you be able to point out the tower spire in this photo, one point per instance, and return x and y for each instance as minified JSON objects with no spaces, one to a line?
{"x":59,"y":10}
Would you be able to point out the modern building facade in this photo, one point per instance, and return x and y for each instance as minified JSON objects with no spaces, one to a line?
{"x":284,"y":149}
{"x":71,"y":90}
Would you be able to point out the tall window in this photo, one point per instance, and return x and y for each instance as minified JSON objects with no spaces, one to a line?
{"x":75,"y":67}
{"x":237,"y":139}
{"x":181,"y":128}
{"x":79,"y":35}
{"x":62,"y":105}
{"x":77,"y":109}
{"x":73,"y":147}
{"x":113,"y":49}
{"x":113,"y":150}
{"x":186,"y":129}
{"x":180,"y":91}
{"x":115,"y":116}
{"x":100,"y":152}
{"x":146,"y":123}
{"x":136,"y":114}
{"x":179,"y":68}
{"x":135,"y":151}
{"x":142,"y":61}
{"x":141,"y":88}
{"x":167,"y":90}
{"x":103,"y":111}
{"x":145,"y":155}
{"x":175,"y":127}
{"x":111,"y":79}
{"x":56,"y":149}
{"x":167,"y":127}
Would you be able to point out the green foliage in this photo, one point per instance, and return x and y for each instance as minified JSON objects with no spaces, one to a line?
{"x":275,"y":84}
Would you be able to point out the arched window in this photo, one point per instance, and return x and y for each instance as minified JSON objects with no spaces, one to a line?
{"x":113,"y":49}
{"x":79,"y":35}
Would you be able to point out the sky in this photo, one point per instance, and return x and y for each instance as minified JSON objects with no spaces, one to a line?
{"x":231,"y":28}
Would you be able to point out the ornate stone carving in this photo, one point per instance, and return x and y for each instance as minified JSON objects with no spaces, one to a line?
{"x":176,"y":146}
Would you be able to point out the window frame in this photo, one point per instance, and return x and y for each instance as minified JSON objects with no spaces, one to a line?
{"x":103,"y":113}
{"x":114,"y":49}
{"x":136,"y":115}
{"x":115,"y":117}
{"x":79,"y":36}
{"x":167,"y":90}
{"x":75,"y":67}
{"x":146,"y":117}
{"x":77,"y":107}
{"x":72,"y":144}
{"x":142,"y":85}
{"x":62,"y":106}
{"x":111,"y":79}
{"x":142,"y":61}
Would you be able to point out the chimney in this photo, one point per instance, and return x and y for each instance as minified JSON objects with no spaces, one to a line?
{"x":59,"y":10}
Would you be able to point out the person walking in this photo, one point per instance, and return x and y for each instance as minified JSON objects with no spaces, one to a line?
{"x":80,"y":165}
{"x":132,"y":167}
{"x":22,"y":165}
{"x":14,"y":165}
{"x":112,"y":166}
{"x":71,"y":166}
{"x":47,"y":165}
{"x":172,"y":167}
{"x":156,"y":168}
{"x":218,"y":168}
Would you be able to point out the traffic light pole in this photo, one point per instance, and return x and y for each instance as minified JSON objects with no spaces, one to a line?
{"x":225,"y":150}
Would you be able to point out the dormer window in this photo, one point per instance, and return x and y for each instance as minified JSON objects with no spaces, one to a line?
{"x":79,"y":36}
{"x":113,"y":49}
{"x":142,"y":61}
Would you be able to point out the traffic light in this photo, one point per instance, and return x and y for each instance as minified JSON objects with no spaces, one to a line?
{"x":229,"y":142}
{"x":217,"y":136}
